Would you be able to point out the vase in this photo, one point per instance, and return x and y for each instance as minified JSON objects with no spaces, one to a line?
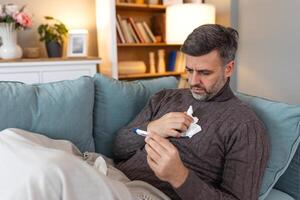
{"x":54,"y":49}
{"x":9,"y":49}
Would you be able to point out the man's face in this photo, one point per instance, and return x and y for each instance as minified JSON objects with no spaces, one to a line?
{"x":207,"y":74}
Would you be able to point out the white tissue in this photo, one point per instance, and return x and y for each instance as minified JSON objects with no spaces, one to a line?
{"x":194,"y":127}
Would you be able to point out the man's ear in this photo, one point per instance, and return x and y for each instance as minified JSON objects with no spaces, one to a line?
{"x":229,"y":69}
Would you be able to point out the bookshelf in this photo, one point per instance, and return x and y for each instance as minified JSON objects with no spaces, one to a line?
{"x":114,"y":50}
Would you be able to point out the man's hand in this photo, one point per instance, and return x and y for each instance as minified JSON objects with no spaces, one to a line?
{"x":171,"y":124}
{"x":163,"y":158}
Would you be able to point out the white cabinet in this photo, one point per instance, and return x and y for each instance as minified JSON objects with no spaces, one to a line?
{"x":47,"y":70}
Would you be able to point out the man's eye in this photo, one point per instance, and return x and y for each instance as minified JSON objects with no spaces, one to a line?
{"x":206,"y":73}
{"x":189,"y":70}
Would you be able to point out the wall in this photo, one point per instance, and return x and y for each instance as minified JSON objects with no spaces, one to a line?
{"x":74,"y":13}
{"x":268,"y":58}
{"x":223,"y":11}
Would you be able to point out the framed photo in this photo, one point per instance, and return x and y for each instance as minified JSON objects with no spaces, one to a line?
{"x":77,"y":43}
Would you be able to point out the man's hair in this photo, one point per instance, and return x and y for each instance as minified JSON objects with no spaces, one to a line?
{"x":209,"y":37}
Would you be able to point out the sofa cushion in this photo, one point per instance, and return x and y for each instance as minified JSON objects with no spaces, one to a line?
{"x":278,"y":195}
{"x":59,"y":110}
{"x":289,"y":182}
{"x":117,"y":103}
{"x":282,"y":122}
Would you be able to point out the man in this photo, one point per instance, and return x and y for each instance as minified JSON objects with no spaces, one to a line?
{"x":227,"y":158}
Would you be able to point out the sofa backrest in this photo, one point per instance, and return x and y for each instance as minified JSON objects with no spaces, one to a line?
{"x":59,"y":110}
{"x":283,"y":125}
{"x":118,"y":102}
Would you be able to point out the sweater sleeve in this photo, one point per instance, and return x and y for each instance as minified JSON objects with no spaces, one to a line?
{"x":245,"y":161}
{"x":127,"y":142}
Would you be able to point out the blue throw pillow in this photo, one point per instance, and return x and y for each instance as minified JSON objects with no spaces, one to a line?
{"x":59,"y":110}
{"x":283,"y":124}
{"x":118,"y":102}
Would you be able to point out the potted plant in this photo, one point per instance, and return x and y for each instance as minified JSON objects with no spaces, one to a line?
{"x":53,"y":33}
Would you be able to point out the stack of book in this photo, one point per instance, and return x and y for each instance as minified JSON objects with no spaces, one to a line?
{"x":130,"y":31}
{"x":176,"y":61}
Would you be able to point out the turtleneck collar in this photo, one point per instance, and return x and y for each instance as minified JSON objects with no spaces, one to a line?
{"x":224,"y":94}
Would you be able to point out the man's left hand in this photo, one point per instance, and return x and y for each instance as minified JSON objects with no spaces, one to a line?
{"x":163,"y":158}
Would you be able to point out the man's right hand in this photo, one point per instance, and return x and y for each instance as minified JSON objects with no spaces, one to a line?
{"x":171,"y":124}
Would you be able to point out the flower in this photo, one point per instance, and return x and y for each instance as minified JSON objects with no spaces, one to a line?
{"x":10,"y":13}
{"x":23,"y":19}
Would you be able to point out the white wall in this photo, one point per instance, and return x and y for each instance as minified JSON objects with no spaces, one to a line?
{"x":269,"y":56}
{"x":74,"y":13}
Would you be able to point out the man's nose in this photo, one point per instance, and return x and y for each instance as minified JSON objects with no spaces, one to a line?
{"x":195,"y":78}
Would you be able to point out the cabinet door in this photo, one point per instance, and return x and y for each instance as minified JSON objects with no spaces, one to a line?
{"x":52,"y":76}
{"x":25,"y":77}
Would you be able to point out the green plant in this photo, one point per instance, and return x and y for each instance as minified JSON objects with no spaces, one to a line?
{"x":54,"y":31}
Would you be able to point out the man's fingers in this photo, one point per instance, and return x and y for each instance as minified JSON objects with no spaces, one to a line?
{"x":156,"y":144}
{"x":174,"y":133}
{"x":151,"y":163}
{"x":152,"y":153}
{"x":160,"y":144}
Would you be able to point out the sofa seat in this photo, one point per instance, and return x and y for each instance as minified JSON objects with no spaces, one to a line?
{"x":278,"y":195}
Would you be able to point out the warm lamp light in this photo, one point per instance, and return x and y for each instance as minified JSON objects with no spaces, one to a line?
{"x":182,"y":19}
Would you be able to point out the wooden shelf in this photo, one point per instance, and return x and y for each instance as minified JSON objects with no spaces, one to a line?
{"x":148,"y":75}
{"x":147,"y":45}
{"x":140,"y":7}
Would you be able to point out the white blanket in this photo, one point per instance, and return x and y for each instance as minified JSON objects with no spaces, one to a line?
{"x":34,"y":167}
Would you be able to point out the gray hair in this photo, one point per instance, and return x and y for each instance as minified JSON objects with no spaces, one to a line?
{"x":209,"y":37}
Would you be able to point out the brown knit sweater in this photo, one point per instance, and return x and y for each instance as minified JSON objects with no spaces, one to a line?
{"x":226,"y":160}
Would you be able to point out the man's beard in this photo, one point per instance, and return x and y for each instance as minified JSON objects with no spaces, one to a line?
{"x":208,"y":94}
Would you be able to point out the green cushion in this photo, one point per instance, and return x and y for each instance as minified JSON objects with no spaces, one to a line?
{"x":117,"y":103}
{"x":59,"y":110}
{"x":282,"y":122}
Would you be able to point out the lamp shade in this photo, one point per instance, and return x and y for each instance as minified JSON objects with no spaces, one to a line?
{"x":182,"y":19}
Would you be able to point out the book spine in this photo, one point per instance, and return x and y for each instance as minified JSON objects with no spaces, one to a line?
{"x":171,"y":61}
{"x":127,"y":34}
{"x":141,"y":39}
{"x":143,"y":32}
{"x":135,"y":38}
{"x":120,"y":33}
{"x":149,"y":32}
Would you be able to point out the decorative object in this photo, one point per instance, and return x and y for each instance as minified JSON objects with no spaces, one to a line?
{"x":31,"y":52}
{"x":77,"y":43}
{"x":152,"y":62}
{"x":191,"y":16}
{"x":161,"y":61}
{"x":11,"y":19}
{"x":53,"y":33}
{"x":131,"y":67}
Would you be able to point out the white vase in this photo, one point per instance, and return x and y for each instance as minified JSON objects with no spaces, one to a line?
{"x":9,"y":49}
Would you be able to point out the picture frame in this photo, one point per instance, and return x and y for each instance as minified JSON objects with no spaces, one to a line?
{"x":77,"y":43}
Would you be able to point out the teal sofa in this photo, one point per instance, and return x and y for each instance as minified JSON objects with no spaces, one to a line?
{"x":89,"y":111}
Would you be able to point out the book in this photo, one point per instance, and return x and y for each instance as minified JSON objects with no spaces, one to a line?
{"x":127,"y":34}
{"x":180,"y":62}
{"x":149,"y":32}
{"x":143,"y":32}
{"x":135,"y":38}
{"x":119,"y":32}
{"x":139,"y":35}
{"x":171,"y":61}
